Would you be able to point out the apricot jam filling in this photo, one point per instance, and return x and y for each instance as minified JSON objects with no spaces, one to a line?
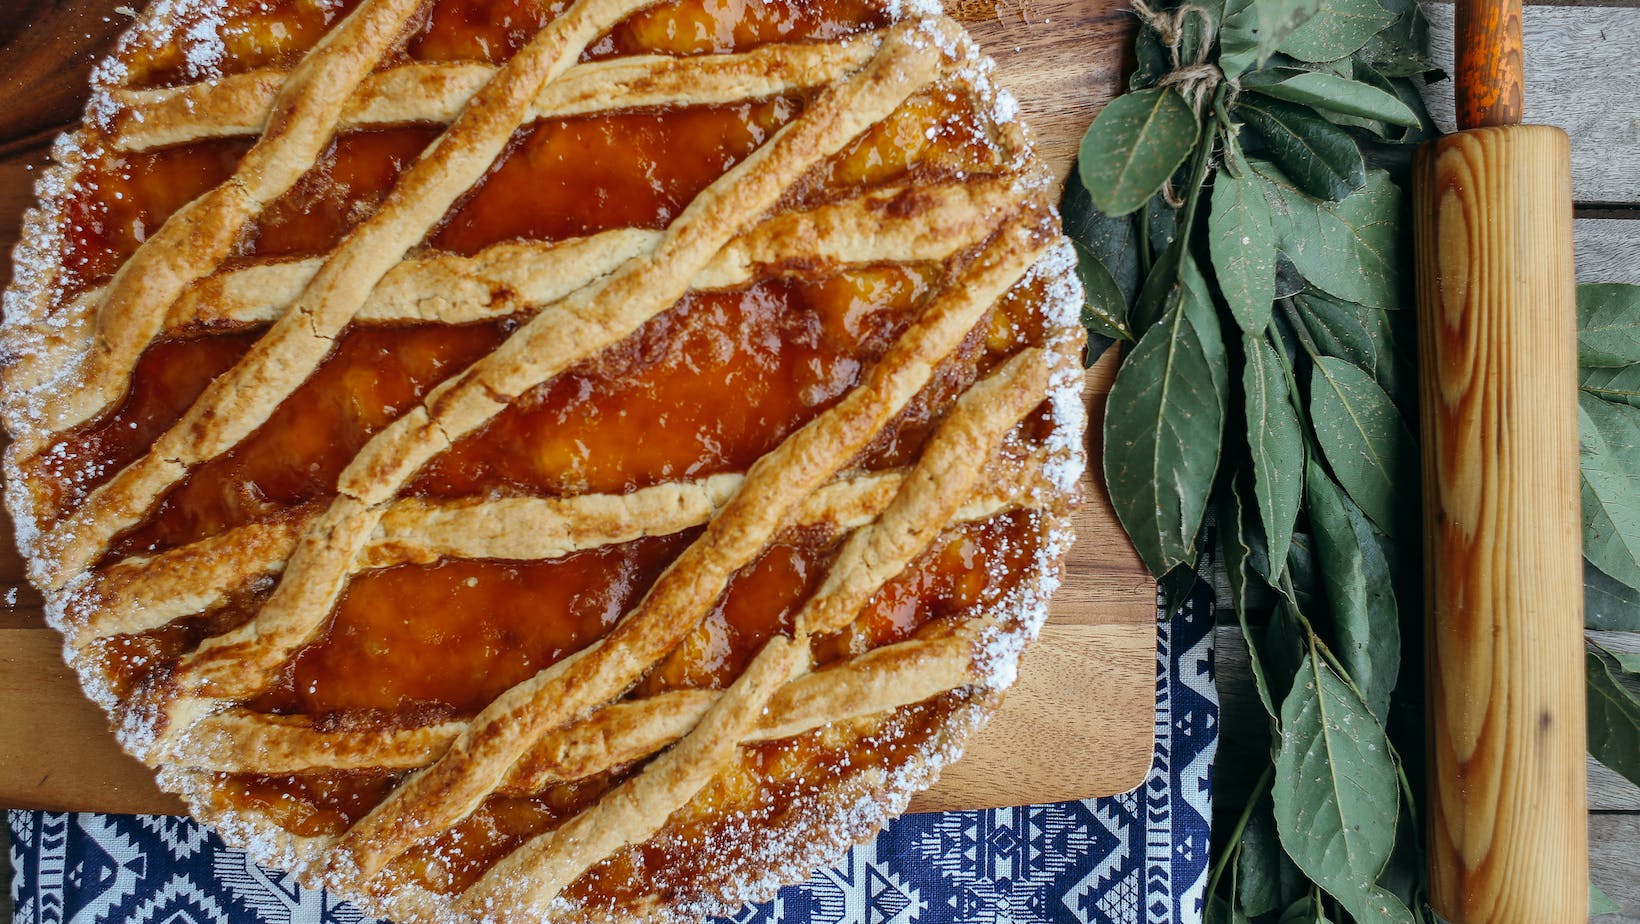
{"x":117,"y":201}
{"x":344,"y":186}
{"x":935,"y":135}
{"x":652,"y":408}
{"x":692,"y":27}
{"x":447,"y":638}
{"x":373,"y":376}
{"x":305,"y":804}
{"x":563,"y":178}
{"x":131,"y":659}
{"x":969,"y":565}
{"x":170,"y":375}
{"x":232,"y":37}
{"x":457,"y":633}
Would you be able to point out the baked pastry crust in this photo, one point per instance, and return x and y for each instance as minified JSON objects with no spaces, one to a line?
{"x":637,"y":749}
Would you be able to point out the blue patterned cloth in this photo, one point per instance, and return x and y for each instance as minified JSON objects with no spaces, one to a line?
{"x":1137,"y":857}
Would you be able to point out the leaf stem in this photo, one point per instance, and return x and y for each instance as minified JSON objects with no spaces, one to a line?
{"x":1406,"y":793}
{"x":1240,"y":829}
{"x":1198,"y":176}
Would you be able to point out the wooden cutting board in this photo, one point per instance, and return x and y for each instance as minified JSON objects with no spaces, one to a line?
{"x":1078,"y":724}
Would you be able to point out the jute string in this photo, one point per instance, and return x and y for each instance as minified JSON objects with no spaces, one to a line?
{"x":1197,"y":79}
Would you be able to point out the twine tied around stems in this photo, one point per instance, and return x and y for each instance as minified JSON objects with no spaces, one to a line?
{"x":1196,"y":80}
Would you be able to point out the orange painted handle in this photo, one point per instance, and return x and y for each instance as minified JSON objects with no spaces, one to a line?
{"x":1491,"y":75}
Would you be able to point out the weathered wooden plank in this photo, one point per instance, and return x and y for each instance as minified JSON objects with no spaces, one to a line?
{"x":1608,"y":249}
{"x":1614,"y":863}
{"x":1581,"y":75}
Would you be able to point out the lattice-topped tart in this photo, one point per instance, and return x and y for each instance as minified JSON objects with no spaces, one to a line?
{"x":505,"y":458}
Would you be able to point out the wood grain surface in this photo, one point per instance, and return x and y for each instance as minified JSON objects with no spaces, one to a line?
{"x":1079,"y":723}
{"x":1497,"y":343}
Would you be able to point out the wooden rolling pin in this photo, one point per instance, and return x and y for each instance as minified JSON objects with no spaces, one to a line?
{"x":1508,"y":836}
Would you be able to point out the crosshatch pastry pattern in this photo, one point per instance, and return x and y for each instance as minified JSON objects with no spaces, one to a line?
{"x":588,"y":459}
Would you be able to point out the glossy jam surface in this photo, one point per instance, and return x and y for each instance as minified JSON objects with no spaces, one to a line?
{"x":476,"y":30}
{"x":652,"y":408}
{"x":566,"y":178}
{"x":454,"y":635}
{"x":345,"y":185}
{"x":373,"y":376}
{"x":706,"y":386}
{"x":116,"y":202}
{"x":232,"y":37}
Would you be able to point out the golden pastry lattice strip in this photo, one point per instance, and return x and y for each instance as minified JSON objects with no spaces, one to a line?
{"x":882,"y":679}
{"x":896,"y":225}
{"x":143,"y":593}
{"x":192,"y":242}
{"x":435,"y":92}
{"x":241,"y":399}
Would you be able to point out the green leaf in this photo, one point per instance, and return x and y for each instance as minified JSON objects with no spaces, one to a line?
{"x":1266,"y":880}
{"x":1253,"y":31}
{"x":1220,"y":911}
{"x":1600,"y":903}
{"x":1301,"y":567}
{"x":1628,"y":662}
{"x":1347,"y":249}
{"x":1614,"y":720}
{"x":1356,"y":333}
{"x":1336,"y":30}
{"x":1110,"y":239}
{"x":1303,"y":911}
{"x":1401,"y":48}
{"x":1609,"y":438}
{"x":1152,"y":58}
{"x":1609,"y":603}
{"x":1608,"y":324}
{"x":1613,"y":383}
{"x":1164,"y":422}
{"x":1321,"y":157}
{"x":1336,"y":94}
{"x":1242,"y":244}
{"x":1275,"y":443}
{"x":1104,"y":310}
{"x":1364,"y":439}
{"x":1241,"y":543}
{"x":1160,"y":292}
{"x":1403,"y":89}
{"x":1382,"y":905}
{"x":1134,"y":145}
{"x":1161,"y":221}
{"x":1335,"y":795}
{"x":1360,"y":593}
